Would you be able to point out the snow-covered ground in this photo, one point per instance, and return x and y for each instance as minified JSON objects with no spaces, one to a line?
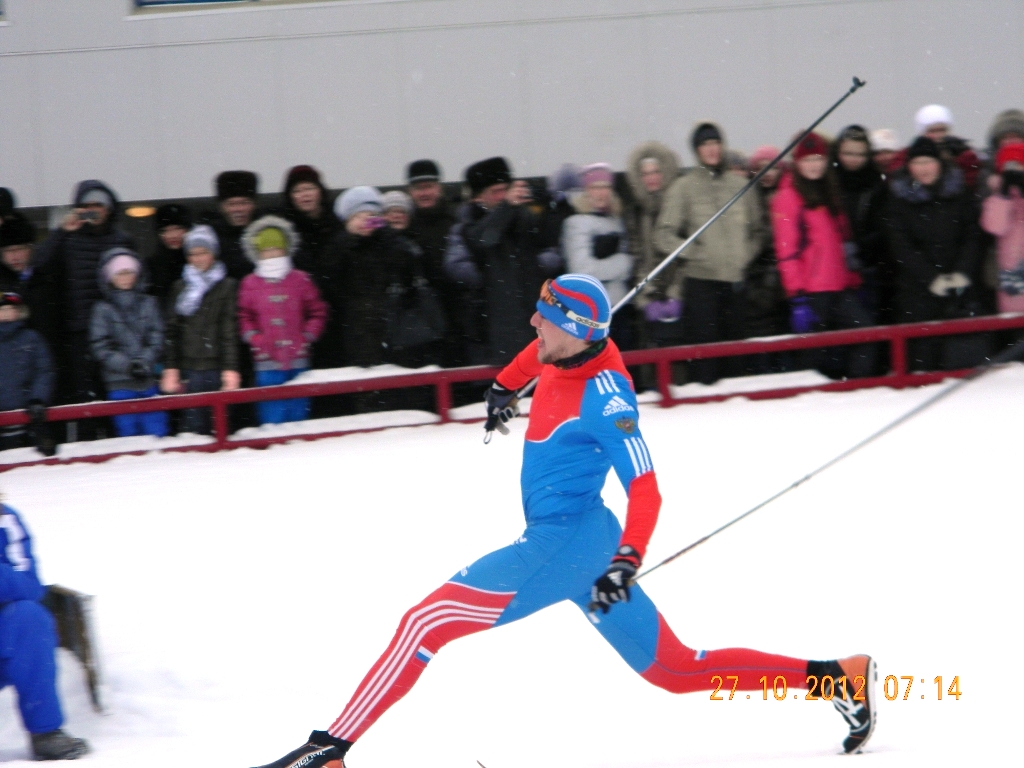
{"x":242,"y":595}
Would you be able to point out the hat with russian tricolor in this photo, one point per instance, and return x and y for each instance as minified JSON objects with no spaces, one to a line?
{"x":578,"y":305}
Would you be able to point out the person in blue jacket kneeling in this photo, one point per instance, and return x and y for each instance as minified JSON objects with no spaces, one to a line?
{"x":28,"y":638}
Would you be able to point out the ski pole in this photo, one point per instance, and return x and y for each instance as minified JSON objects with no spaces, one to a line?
{"x":1006,"y":356}
{"x":857,"y":84}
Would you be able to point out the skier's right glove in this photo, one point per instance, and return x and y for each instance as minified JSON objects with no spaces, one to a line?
{"x":502,"y":407}
{"x":613,"y":586}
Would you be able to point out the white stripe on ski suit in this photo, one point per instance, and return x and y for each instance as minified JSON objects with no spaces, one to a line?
{"x":408,"y":644}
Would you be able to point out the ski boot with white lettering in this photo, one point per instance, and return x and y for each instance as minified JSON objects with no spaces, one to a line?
{"x":321,"y":750}
{"x":850,"y":684}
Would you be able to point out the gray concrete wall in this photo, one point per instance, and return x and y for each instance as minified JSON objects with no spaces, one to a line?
{"x":156,"y":104}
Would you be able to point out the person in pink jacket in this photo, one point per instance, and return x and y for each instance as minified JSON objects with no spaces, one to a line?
{"x":816,"y":256}
{"x":1002,"y":215}
{"x":280,"y":314}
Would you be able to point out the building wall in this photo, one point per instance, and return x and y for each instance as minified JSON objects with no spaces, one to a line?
{"x":157,"y":103}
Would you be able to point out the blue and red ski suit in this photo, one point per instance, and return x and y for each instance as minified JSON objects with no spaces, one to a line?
{"x":583,"y":422}
{"x":28,"y":634}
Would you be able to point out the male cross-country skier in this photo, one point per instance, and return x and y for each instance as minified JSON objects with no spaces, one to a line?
{"x":583,"y":422}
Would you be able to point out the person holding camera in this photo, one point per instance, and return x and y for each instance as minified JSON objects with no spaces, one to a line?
{"x":127,"y":336}
{"x":1002,"y":215}
{"x":72,"y":254}
{"x":508,"y":245}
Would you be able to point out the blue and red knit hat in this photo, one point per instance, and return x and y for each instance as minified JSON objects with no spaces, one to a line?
{"x":577,"y":304}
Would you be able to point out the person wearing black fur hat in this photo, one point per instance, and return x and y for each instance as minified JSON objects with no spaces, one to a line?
{"x":500,"y":254}
{"x":236,"y":210}
{"x":20,"y":273}
{"x":306,"y":203}
{"x":171,"y":222}
{"x":934,"y":240}
{"x":72,"y":253}
{"x":432,"y":219}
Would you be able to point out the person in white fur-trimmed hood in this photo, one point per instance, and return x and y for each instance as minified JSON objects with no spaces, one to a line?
{"x":280,"y":314}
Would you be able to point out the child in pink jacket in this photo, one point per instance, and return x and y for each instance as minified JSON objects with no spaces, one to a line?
{"x":1002,"y":214}
{"x":280,"y":314}
{"x":816,"y":256}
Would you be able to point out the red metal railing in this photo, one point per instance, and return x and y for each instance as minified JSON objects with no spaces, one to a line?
{"x":894,"y":335}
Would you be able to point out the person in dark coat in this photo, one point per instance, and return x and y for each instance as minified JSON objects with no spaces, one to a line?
{"x":864,"y":191}
{"x":933,"y":239}
{"x":26,"y":376}
{"x":504,"y":236}
{"x":72,"y":254}
{"x":171,"y":222}
{"x":7,"y":204}
{"x":236,"y":195}
{"x":127,"y":335}
{"x":201,"y":328}
{"x":369,"y":258}
{"x":307,"y":205}
{"x":20,"y":272}
{"x":432,"y":219}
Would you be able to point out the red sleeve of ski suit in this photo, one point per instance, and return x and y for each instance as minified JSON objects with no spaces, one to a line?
{"x":641,"y":512}
{"x":522,"y":369}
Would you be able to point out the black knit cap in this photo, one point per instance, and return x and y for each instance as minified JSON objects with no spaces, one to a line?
{"x":302,"y":174}
{"x":705,"y":132}
{"x":422,"y":170}
{"x":6,"y":202}
{"x":16,"y":230}
{"x":487,"y":173}
{"x":236,"y":184}
{"x":172,"y":215}
{"x":923,"y":147}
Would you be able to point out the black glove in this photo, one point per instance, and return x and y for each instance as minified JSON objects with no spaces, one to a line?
{"x":38,"y":430}
{"x":613,"y":586}
{"x":606,"y":245}
{"x":36,"y":411}
{"x":502,"y":407}
{"x":139,"y":369}
{"x":1013,"y":179}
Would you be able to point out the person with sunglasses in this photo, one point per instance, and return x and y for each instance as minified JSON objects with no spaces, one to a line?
{"x":584,"y":422}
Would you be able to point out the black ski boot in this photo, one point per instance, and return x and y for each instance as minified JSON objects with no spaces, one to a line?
{"x":857,"y":706}
{"x":321,"y":751}
{"x":57,"y":745}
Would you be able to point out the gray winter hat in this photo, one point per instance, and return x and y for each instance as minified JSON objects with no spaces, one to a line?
{"x":358,"y":199}
{"x":396,"y":199}
{"x":202,"y":236}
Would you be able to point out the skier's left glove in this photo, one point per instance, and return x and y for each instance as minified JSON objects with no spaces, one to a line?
{"x":502,"y":407}
{"x":613,"y":586}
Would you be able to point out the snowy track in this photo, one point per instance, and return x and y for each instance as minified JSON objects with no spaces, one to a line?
{"x":242,"y":595}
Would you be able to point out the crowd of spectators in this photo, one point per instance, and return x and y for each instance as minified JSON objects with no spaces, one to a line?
{"x":848,"y":232}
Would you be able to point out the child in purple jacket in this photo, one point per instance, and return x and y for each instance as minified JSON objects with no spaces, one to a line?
{"x":280,"y":314}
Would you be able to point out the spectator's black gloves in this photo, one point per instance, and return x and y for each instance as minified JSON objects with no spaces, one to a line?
{"x":36,"y":411}
{"x":139,"y":369}
{"x":613,"y":586}
{"x":605,"y":245}
{"x":38,"y":431}
{"x":502,"y":407}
